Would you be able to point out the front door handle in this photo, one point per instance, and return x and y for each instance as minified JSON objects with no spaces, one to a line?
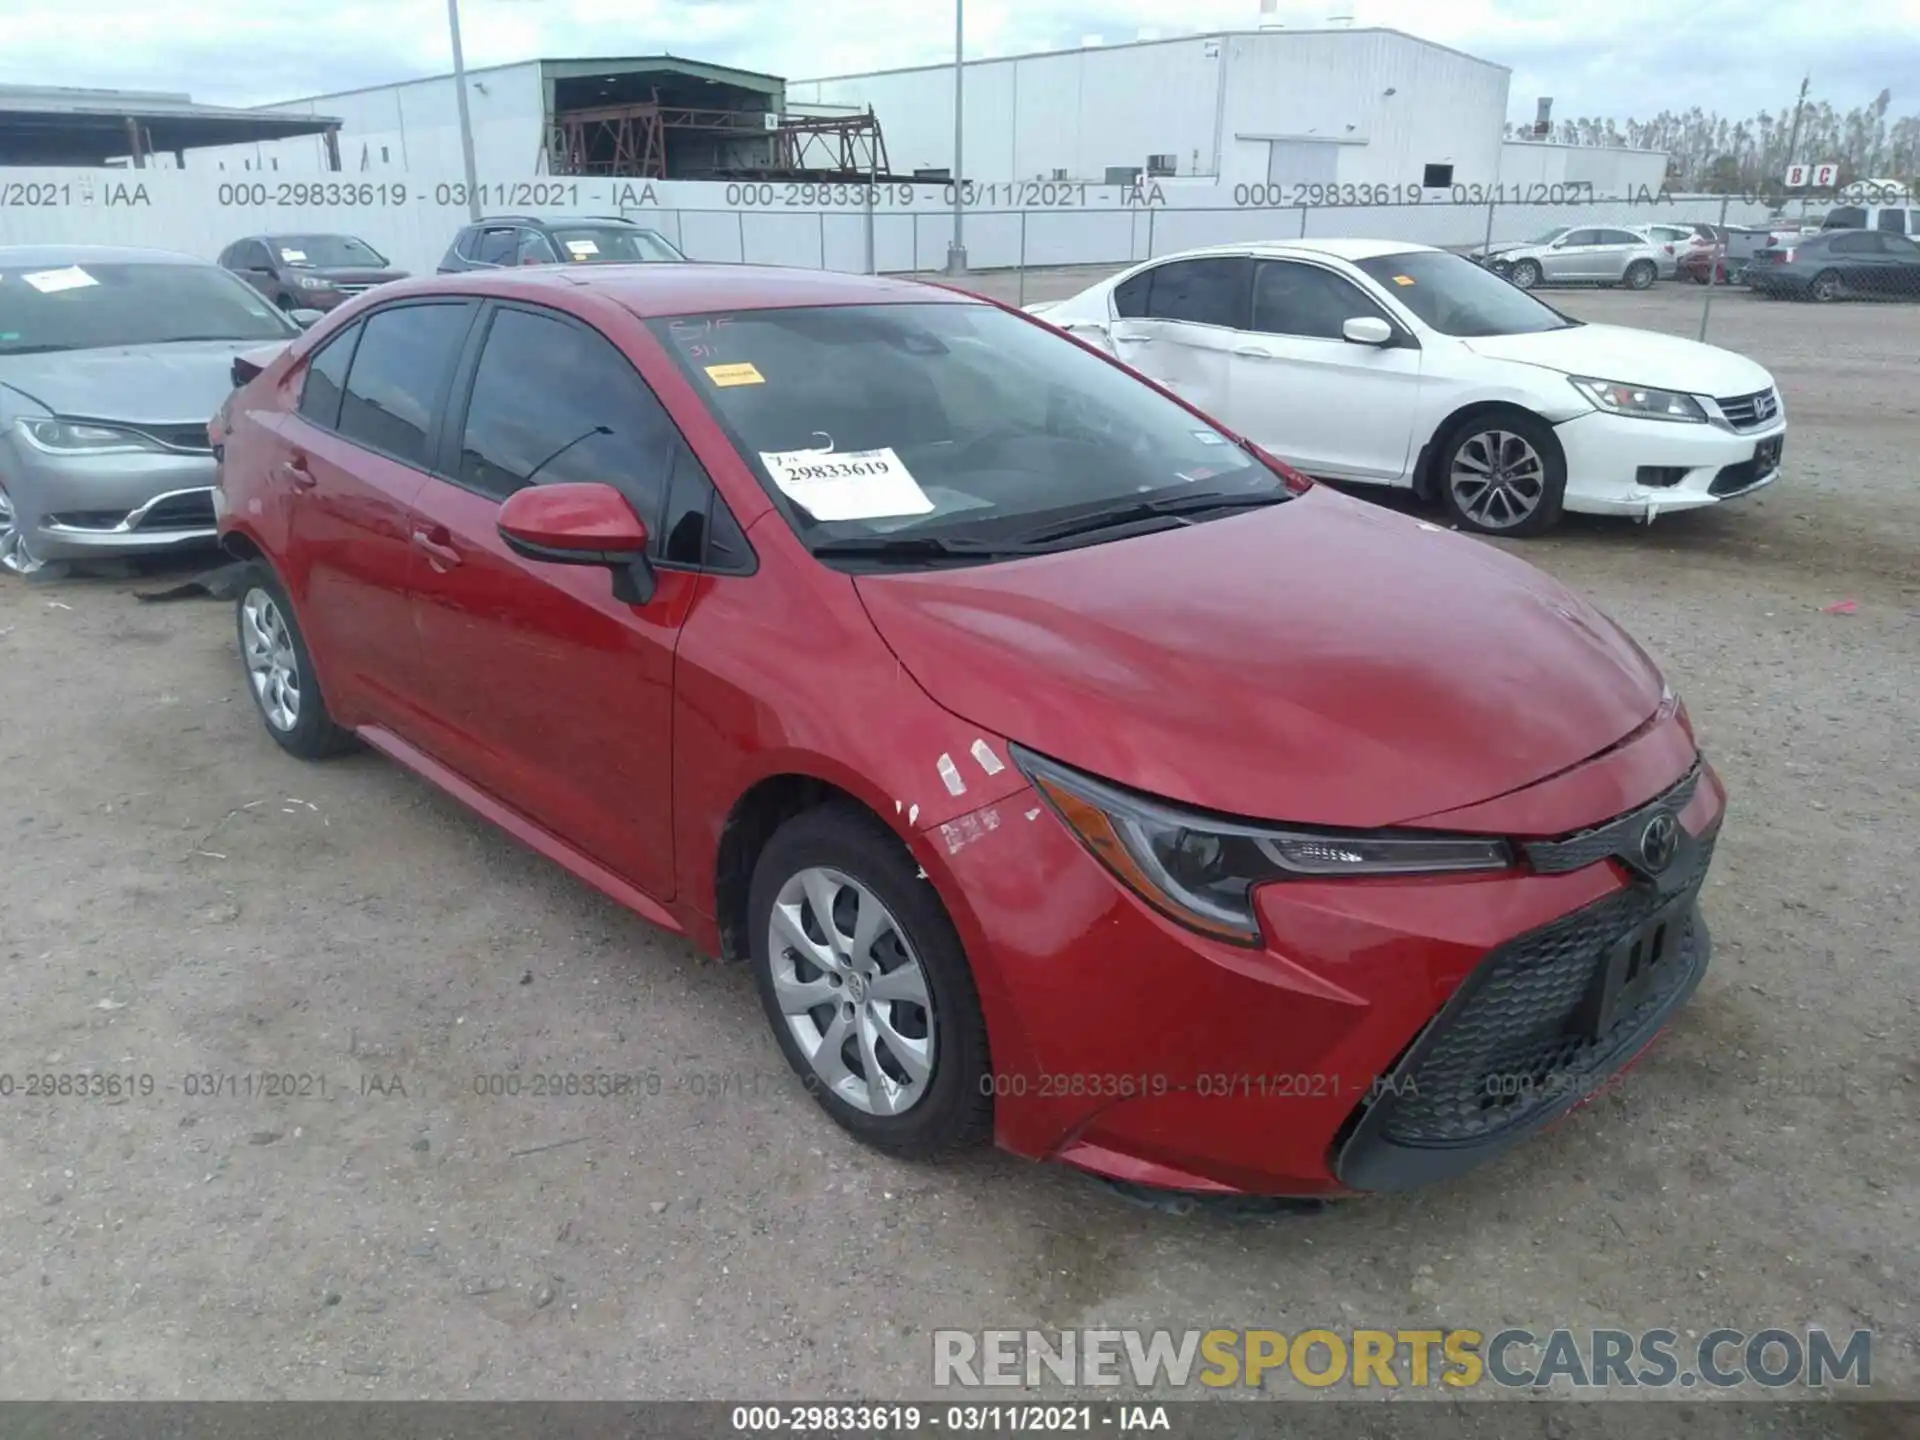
{"x":434,"y":545}
{"x":1253,"y":352}
{"x":1131,"y":339}
{"x":295,"y":472}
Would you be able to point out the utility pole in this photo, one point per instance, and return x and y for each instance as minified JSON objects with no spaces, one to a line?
{"x":466,"y":121}
{"x":957,"y":247}
{"x":1799,"y":107}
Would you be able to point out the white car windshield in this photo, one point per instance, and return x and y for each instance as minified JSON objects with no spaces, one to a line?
{"x":91,"y":305}
{"x":1457,"y":297}
{"x":961,"y":422}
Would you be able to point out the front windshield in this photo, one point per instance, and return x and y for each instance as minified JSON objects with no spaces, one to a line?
{"x":326,"y":252}
{"x":611,"y":244}
{"x":1549,"y":236}
{"x":90,"y":306}
{"x":1457,"y":297}
{"x":957,"y":421}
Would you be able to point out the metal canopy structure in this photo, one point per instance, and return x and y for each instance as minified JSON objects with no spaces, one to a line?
{"x":632,"y":140}
{"x":49,"y":125}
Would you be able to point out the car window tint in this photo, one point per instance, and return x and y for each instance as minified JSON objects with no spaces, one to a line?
{"x":1900,"y":247}
{"x":326,"y":378}
{"x":497,"y":246}
{"x":554,"y":402}
{"x":695,"y":517}
{"x":1293,"y":298}
{"x":535,"y":249}
{"x":398,"y":371}
{"x":1845,"y":217}
{"x":1203,"y":292}
{"x":1583,"y":237}
{"x":1893,"y":219}
{"x":1130,"y":299}
{"x":1854,"y":242}
{"x":1619,"y":237}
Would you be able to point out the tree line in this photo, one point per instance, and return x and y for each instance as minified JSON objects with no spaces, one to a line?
{"x":1708,"y":152}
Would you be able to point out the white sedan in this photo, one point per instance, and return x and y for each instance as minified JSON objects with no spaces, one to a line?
{"x":1386,"y":363}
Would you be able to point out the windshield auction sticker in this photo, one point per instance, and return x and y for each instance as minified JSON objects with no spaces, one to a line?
{"x":854,"y":485}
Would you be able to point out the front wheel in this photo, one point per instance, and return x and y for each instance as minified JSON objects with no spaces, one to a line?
{"x":866,"y":985}
{"x":1525,"y":274}
{"x":1825,"y":287}
{"x":1503,"y":475}
{"x":1640,"y":274}
{"x":15,"y":557}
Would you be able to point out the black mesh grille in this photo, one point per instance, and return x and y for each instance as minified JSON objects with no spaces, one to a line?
{"x":192,"y":510}
{"x":1513,"y":1044}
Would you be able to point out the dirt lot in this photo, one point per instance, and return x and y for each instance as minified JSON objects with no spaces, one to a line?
{"x":182,"y":900}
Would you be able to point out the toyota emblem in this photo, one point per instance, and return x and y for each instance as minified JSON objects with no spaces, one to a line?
{"x":1659,"y":842}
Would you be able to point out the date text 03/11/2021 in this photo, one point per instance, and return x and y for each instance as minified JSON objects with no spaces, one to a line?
{"x":884,"y":1419}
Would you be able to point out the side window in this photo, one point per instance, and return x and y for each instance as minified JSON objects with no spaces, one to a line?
{"x":467,"y":242}
{"x":259,"y":257}
{"x":535,"y":249}
{"x":226,"y":257}
{"x":1854,"y":242}
{"x":698,"y":528}
{"x":1894,"y":220}
{"x":327,"y":378}
{"x":399,"y":369}
{"x":1293,"y":298}
{"x":1202,"y":292}
{"x":1582,"y":237}
{"x":1130,"y":299}
{"x":553,"y":402}
{"x":1619,"y":237}
{"x":497,"y":246}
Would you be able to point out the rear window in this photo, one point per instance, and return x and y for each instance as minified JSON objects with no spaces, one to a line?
{"x":941,"y":419}
{"x":1845,"y":217}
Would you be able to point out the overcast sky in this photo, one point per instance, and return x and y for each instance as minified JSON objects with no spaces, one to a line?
{"x":1618,"y":57}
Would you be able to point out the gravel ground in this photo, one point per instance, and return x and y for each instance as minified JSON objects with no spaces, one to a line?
{"x":182,"y":900}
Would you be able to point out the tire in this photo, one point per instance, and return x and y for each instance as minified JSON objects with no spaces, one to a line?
{"x":849,"y":860}
{"x":271,"y":646}
{"x":1825,"y":287}
{"x":1640,"y":275}
{"x":1524,"y":274}
{"x":15,"y":557}
{"x":1534,"y":475}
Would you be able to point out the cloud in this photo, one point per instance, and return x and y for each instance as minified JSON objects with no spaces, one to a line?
{"x":1624,"y":58}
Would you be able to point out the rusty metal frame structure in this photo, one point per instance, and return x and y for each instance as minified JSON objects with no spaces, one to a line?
{"x":846,"y":148}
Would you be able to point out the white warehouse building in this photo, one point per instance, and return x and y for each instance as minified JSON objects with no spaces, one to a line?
{"x":1297,"y":107}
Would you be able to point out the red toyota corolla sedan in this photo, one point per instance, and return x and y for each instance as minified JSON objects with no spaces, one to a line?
{"x":1066,"y":769}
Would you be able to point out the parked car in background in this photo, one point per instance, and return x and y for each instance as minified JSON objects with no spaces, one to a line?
{"x":629,"y":559}
{"x":112,"y":361}
{"x":309,"y":272}
{"x":1577,"y":255}
{"x":1669,"y":241}
{"x":1733,"y":245}
{"x":509,"y":240}
{"x":1395,"y":364}
{"x":1839,"y":265}
{"x":1889,"y":219}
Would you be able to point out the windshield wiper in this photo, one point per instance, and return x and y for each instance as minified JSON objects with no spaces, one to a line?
{"x":921,"y":547}
{"x":1170,"y":508}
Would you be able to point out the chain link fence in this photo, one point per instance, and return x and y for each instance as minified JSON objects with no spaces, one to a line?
{"x":1725,"y":246}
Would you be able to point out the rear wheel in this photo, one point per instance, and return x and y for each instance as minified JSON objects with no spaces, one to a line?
{"x":1525,"y":274}
{"x":1503,"y":474}
{"x":280,"y":673}
{"x":866,"y":985}
{"x":1825,"y":287}
{"x":1640,"y":274}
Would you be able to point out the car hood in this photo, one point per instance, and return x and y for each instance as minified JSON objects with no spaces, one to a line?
{"x":1633,"y":357}
{"x":1505,"y":247}
{"x":1321,"y":662}
{"x":140,"y":384}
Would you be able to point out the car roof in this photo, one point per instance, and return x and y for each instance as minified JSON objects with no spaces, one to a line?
{"x":1339,"y":249}
{"x":557,"y":220}
{"x":93,"y":255}
{"x":663,"y":287}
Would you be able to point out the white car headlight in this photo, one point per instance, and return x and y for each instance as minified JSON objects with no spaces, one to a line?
{"x":76,"y":437}
{"x":1640,"y":401}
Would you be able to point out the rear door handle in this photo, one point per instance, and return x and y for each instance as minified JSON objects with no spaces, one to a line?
{"x":295,"y":472}
{"x":434,"y":545}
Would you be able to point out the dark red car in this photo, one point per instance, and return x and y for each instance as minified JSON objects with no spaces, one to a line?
{"x":1066,"y":769}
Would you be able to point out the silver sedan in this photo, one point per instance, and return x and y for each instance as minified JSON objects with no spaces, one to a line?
{"x":112,"y":362}
{"x":1578,"y":255}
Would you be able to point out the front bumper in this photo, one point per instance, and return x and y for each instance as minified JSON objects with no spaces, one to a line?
{"x":1133,"y":1048}
{"x":73,"y":508}
{"x":1703,"y":464}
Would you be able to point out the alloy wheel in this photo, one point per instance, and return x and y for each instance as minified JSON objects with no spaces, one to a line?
{"x":1826,"y":286}
{"x":852,"y":991}
{"x":15,"y":558}
{"x":1498,"y":479}
{"x":272,"y":665}
{"x":1525,"y":274}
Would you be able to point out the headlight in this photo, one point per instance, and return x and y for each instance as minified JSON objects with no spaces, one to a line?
{"x":309,"y":282}
{"x":1639,"y":401}
{"x":1201,"y":870}
{"x":76,"y":437}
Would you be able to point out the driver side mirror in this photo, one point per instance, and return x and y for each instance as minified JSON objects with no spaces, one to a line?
{"x":306,"y":319}
{"x":1367,"y":330}
{"x":581,"y":524}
